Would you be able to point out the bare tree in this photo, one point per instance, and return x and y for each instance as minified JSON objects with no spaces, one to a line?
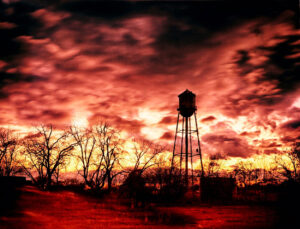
{"x":45,"y":152}
{"x":245,"y":173}
{"x":160,"y":175}
{"x":213,"y":165}
{"x":145,"y":155}
{"x":8,"y":153}
{"x":86,"y":143}
{"x":99,"y":154}
{"x":288,"y":163}
{"x":268,"y":173}
{"x":109,"y":144}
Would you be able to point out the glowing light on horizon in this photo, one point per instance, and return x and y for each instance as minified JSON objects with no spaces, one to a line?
{"x":80,"y":120}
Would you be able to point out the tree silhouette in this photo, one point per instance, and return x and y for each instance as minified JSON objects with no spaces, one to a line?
{"x":8,"y":153}
{"x":145,"y":155}
{"x":99,"y":153}
{"x":85,"y":142}
{"x":108,"y":142}
{"x":288,"y":163}
{"x":245,"y":173}
{"x":45,"y":152}
{"x":213,"y":165}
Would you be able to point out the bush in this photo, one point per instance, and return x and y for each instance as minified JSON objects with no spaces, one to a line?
{"x":134,"y":188}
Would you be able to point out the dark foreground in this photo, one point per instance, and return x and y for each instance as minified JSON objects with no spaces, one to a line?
{"x":66,"y":209}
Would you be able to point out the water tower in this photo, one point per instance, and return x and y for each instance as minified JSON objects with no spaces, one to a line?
{"x":187,"y":109}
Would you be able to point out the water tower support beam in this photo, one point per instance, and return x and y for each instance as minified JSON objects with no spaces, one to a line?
{"x":172,"y":163}
{"x":181,"y":147}
{"x":191,"y":148}
{"x":187,"y":150}
{"x":199,"y":148}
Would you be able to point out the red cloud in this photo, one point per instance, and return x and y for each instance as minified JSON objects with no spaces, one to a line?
{"x":168,"y":120}
{"x":208,"y":119}
{"x":110,"y":69}
{"x":167,"y":136}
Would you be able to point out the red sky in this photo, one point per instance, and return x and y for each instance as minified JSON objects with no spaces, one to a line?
{"x":126,"y":62}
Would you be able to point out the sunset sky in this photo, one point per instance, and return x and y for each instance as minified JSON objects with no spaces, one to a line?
{"x":81,"y":62}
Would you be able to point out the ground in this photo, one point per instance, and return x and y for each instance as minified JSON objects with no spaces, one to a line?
{"x":67,"y":209}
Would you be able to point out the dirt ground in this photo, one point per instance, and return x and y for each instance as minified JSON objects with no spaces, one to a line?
{"x":66,"y":209}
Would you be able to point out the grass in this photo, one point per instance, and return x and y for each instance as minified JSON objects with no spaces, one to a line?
{"x":69,"y":209}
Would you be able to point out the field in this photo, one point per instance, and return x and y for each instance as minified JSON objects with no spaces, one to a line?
{"x":67,"y":209}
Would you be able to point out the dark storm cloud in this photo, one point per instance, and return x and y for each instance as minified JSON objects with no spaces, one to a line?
{"x":167,"y":136}
{"x":109,"y":10}
{"x":282,"y":65}
{"x":287,"y":64}
{"x":46,"y":116}
{"x":228,"y":144}
{"x":131,"y":126}
{"x":287,"y":140}
{"x":208,"y":119}
{"x":293,"y":124}
{"x":168,"y":120}
{"x":7,"y":79}
{"x":193,"y":24}
{"x":190,"y":22}
{"x":274,"y":69}
{"x":15,"y":21}
{"x":18,"y":14}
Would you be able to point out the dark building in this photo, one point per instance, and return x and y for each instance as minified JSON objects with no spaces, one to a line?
{"x":217,"y":188}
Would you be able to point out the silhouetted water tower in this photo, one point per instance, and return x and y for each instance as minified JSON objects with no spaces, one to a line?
{"x":187,"y":103}
{"x":187,"y":108}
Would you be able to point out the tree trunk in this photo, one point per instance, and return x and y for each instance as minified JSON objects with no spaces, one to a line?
{"x":48,"y":181}
{"x":109,"y":181}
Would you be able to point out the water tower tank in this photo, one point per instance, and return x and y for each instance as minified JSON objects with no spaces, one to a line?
{"x":187,"y":103}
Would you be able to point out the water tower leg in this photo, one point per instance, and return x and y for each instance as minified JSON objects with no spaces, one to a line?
{"x":181,"y":146}
{"x":199,"y":148}
{"x":186,"y":151}
{"x":172,"y":163}
{"x":191,"y":151}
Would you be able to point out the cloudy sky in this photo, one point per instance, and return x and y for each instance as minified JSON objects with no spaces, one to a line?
{"x":80,"y":62}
